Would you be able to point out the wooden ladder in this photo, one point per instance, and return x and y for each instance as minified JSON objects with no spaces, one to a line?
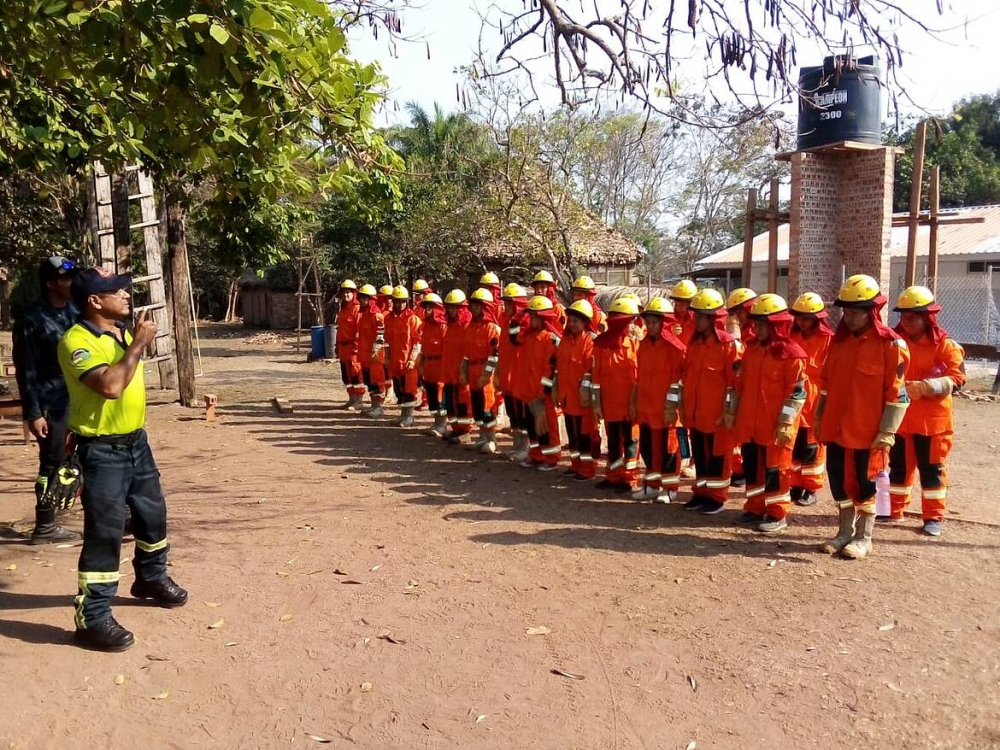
{"x":111,"y":202}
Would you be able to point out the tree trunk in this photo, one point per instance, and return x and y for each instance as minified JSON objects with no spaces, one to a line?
{"x":233,"y":301}
{"x":180,"y":282}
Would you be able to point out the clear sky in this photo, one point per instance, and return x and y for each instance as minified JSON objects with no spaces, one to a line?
{"x":936,"y":74}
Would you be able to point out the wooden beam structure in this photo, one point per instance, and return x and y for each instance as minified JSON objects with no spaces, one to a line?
{"x":748,"y":234}
{"x":772,"y":238}
{"x":917,"y":179}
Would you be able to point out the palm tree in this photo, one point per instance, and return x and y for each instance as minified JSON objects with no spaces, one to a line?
{"x":442,"y":143}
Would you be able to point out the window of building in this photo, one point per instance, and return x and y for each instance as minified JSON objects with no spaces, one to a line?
{"x":980,"y":266}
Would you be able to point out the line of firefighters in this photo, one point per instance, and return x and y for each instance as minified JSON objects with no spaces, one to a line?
{"x":746,"y":389}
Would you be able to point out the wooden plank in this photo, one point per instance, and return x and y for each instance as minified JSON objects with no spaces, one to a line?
{"x":163,"y":344}
{"x":104,"y":241}
{"x":904,"y":221}
{"x":772,"y":239}
{"x":840,"y":147}
{"x":282,"y":405}
{"x":917,"y":179}
{"x":932,"y":248}
{"x":748,"y":235}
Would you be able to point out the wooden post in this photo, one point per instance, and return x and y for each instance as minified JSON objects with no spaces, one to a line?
{"x":102,"y":219}
{"x":932,"y":244}
{"x":748,"y":237}
{"x":177,"y":241}
{"x":772,"y":238}
{"x":915,"y":188}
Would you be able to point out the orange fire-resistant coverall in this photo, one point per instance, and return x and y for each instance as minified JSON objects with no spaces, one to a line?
{"x":432,"y":348}
{"x":371,"y":328}
{"x":862,"y":374}
{"x":765,"y":382}
{"x":808,"y":455}
{"x":509,"y":351}
{"x":925,"y":437}
{"x":481,"y":347}
{"x":402,"y":334}
{"x":347,"y":347}
{"x":709,"y":371}
{"x":614,"y":376}
{"x":536,"y":364}
{"x":660,"y":365}
{"x":574,"y":360}
{"x":456,"y":394}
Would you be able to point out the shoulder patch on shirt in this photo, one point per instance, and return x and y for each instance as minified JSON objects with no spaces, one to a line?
{"x":79,"y":355}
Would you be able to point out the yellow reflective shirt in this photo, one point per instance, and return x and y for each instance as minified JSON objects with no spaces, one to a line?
{"x":82,"y":350}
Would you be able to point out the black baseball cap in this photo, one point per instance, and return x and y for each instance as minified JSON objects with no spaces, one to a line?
{"x":98,"y":281}
{"x":56,"y":267}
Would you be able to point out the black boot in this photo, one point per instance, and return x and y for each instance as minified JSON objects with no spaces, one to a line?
{"x":165,"y":593}
{"x":47,"y":531}
{"x":106,"y":635}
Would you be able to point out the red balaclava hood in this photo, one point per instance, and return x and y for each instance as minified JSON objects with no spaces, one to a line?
{"x":719,"y":319}
{"x":935,"y":332}
{"x":667,"y":332}
{"x":875,"y":315}
{"x":464,"y":316}
{"x":779,"y":341}
{"x":437,"y":312}
{"x":371,"y":306}
{"x":823,"y":318}
{"x":550,"y":320}
{"x":618,"y":328}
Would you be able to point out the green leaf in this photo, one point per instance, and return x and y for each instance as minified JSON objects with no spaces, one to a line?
{"x":198,"y":18}
{"x":57,"y":7}
{"x":219,"y":34}
{"x":261,"y":19}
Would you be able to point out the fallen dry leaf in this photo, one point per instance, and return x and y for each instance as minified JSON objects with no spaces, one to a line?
{"x":570,"y":675}
{"x":481,"y":718}
{"x":539,"y":630}
{"x":887,"y":626}
{"x":366,"y":687}
{"x":161,"y":697}
{"x":314,"y":572}
{"x":321,"y":740}
{"x":217,"y":624}
{"x":894,"y":687}
{"x":157,"y":657}
{"x":119,"y":679}
{"x":772,"y":563}
{"x":281,"y":574}
{"x":231,"y":643}
{"x":351,"y":581}
{"x":692,"y":745}
{"x":376,"y":567}
{"x":12,"y":567}
{"x":390,"y":639}
{"x":339,"y":572}
{"x":211,"y":604}
{"x":64,"y":546}
{"x":693,"y":683}
{"x":286,"y":618}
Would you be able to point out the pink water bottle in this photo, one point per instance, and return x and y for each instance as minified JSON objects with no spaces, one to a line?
{"x":883,"y":505}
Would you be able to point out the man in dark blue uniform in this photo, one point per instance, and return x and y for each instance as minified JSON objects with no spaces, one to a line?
{"x":44,"y":398}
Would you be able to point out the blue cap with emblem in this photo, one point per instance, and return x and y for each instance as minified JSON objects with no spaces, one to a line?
{"x":98,"y":281}
{"x":56,"y":267}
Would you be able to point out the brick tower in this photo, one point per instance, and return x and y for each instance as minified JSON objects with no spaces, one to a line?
{"x":841,"y":217}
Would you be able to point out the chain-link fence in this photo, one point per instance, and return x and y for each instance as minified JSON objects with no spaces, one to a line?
{"x":970,"y":307}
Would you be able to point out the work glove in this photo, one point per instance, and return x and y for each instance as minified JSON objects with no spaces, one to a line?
{"x":883,"y":441}
{"x":784,"y":435}
{"x":537,"y":408}
{"x":586,"y":395}
{"x":64,"y":485}
{"x":670,"y":413}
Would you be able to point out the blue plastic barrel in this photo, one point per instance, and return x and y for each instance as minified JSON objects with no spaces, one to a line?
{"x":318,"y":350}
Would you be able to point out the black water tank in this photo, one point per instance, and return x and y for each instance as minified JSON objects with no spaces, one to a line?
{"x":840,"y":100}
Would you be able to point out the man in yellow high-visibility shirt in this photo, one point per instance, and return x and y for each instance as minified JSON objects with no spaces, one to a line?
{"x":101,"y":362}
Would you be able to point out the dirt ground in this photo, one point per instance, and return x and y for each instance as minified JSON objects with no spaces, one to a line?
{"x":374,"y":588}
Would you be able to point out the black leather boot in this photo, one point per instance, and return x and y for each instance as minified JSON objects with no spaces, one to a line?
{"x":47,"y":531}
{"x":165,"y":593}
{"x":106,"y":635}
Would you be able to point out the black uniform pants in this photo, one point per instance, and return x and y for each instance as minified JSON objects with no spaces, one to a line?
{"x":115,"y":476}
{"x":51,"y":451}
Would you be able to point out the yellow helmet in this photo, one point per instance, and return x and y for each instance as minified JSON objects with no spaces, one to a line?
{"x":385,"y":290}
{"x":582,"y":307}
{"x":740,"y":297}
{"x":368,"y":290}
{"x":420,"y":286}
{"x":858,"y":291}
{"x":584,"y":284}
{"x":914,"y":299}
{"x":482,"y":295}
{"x":512,"y":291}
{"x":809,"y":303}
{"x":768,"y":304}
{"x":455,"y":297}
{"x":543,"y":277}
{"x":632,"y":296}
{"x":538,"y":303}
{"x":348,"y":284}
{"x":400,"y":292}
{"x":659,"y":306}
{"x":707,"y":301}
{"x":489,"y":278}
{"x":431,"y":299}
{"x":685,"y":289}
{"x":624,"y":306}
